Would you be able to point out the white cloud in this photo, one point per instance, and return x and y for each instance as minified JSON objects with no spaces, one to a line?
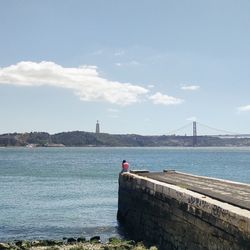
{"x":159,"y":98}
{"x":190,"y":87}
{"x":84,"y":81}
{"x":126,"y":64}
{"x":244,"y":108}
{"x":192,"y":118}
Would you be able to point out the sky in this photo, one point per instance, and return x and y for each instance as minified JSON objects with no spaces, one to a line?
{"x":139,"y":67}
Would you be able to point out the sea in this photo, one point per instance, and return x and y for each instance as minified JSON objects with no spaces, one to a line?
{"x":51,"y":193}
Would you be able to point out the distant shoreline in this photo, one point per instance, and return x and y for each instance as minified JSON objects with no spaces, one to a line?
{"x":87,"y":139}
{"x":103,"y":146}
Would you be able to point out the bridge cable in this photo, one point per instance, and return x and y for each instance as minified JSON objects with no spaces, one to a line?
{"x":218,"y":130}
{"x":176,"y":130}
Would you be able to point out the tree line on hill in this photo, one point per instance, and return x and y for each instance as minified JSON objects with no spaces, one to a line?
{"x":87,"y":139}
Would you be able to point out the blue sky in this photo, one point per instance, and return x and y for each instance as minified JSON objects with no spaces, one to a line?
{"x":146,"y":67}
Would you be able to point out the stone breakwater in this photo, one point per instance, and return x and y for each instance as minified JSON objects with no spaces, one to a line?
{"x":173,"y":217}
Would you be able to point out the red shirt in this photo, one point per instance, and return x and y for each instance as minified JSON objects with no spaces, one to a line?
{"x":125,"y":165}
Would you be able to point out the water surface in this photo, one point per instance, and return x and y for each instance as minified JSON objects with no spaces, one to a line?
{"x":63,"y":192}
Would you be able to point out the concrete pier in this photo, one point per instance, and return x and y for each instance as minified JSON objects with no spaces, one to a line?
{"x":181,"y":211}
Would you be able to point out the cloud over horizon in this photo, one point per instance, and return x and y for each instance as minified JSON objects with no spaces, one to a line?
{"x":190,"y":87}
{"x":159,"y":98}
{"x":83,"y":80}
{"x":245,"y":108}
{"x":127,"y":64}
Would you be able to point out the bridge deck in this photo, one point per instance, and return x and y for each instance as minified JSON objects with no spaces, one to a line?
{"x":233,"y":193}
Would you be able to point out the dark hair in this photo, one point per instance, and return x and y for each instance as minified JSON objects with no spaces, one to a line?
{"x":123,"y":161}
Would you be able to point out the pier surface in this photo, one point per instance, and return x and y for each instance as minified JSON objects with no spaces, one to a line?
{"x":176,"y":210}
{"x":237,"y":194}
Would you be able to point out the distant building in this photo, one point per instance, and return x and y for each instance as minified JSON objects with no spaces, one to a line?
{"x":97,"y":127}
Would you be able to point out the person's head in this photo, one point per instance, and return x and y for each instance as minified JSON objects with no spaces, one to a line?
{"x":123,"y":161}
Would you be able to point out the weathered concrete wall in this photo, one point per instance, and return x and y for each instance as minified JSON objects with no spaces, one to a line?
{"x":175,"y":218}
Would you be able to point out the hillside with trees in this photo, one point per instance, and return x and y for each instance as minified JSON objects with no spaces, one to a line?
{"x":87,"y":139}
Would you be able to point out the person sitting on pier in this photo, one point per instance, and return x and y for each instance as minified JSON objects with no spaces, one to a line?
{"x":125,"y":166}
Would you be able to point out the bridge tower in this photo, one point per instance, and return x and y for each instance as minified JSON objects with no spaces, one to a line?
{"x":194,"y":134}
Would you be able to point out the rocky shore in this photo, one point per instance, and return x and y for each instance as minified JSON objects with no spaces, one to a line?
{"x":75,"y":244}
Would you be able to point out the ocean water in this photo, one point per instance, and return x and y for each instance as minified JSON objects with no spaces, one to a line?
{"x":51,"y":193}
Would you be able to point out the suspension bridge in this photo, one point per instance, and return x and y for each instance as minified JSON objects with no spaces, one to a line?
{"x":205,"y":130}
